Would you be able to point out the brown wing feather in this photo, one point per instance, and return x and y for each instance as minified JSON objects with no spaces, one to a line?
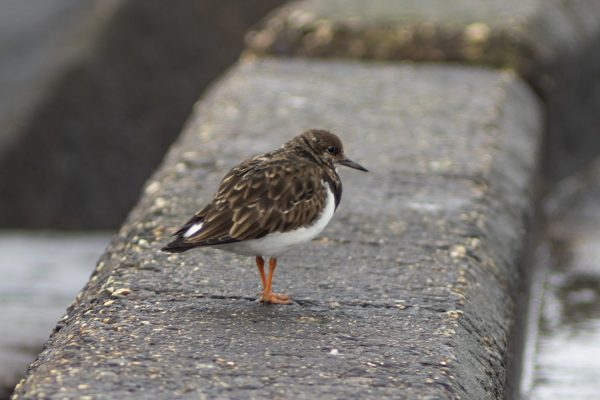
{"x":262,"y":195}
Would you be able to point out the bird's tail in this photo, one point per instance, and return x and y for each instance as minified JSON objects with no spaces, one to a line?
{"x":180,"y":244}
{"x":176,"y":246}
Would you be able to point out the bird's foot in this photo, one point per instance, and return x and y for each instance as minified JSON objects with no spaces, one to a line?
{"x":274,"y":298}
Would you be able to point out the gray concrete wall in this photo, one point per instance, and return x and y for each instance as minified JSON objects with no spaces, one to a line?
{"x":409,"y":293}
{"x":92,"y":93}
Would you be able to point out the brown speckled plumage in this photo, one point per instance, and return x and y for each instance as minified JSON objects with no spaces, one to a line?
{"x":276,"y":192}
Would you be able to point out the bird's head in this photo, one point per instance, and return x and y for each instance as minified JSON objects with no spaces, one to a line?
{"x":327,"y":146}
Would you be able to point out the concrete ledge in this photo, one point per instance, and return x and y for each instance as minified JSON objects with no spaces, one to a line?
{"x":409,"y":293}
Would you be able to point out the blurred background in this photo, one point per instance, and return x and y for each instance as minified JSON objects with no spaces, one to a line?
{"x":92,"y":93}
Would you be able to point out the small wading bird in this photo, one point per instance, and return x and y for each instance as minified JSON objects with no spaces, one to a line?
{"x":270,"y":203}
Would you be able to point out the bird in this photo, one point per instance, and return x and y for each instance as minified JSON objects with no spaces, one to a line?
{"x":270,"y":203}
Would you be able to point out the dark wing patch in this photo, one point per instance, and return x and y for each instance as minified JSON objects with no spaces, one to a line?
{"x":264,"y":194}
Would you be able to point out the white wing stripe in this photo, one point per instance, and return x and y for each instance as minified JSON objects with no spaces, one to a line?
{"x":193,"y":229}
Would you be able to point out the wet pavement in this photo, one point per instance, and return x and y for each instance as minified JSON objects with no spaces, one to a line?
{"x":565,"y":342}
{"x":40,"y":273}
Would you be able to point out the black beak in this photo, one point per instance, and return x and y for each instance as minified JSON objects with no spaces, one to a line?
{"x":349,"y":163}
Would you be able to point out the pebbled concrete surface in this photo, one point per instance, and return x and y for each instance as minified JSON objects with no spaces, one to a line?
{"x":409,"y":293}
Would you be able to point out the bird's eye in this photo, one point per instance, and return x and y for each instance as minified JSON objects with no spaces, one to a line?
{"x":332,"y":150}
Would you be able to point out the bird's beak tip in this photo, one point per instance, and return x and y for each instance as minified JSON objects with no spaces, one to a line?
{"x":349,"y":163}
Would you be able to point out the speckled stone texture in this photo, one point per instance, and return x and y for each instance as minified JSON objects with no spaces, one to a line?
{"x":409,"y":293}
{"x":553,"y":44}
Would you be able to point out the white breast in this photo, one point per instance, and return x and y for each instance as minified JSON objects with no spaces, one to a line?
{"x":275,"y":244}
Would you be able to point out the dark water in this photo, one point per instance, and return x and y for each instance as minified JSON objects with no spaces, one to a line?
{"x":567,"y":353}
{"x":563,"y":350}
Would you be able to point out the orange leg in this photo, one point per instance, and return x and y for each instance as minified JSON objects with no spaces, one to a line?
{"x":267,"y":295}
{"x":260,"y":264}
